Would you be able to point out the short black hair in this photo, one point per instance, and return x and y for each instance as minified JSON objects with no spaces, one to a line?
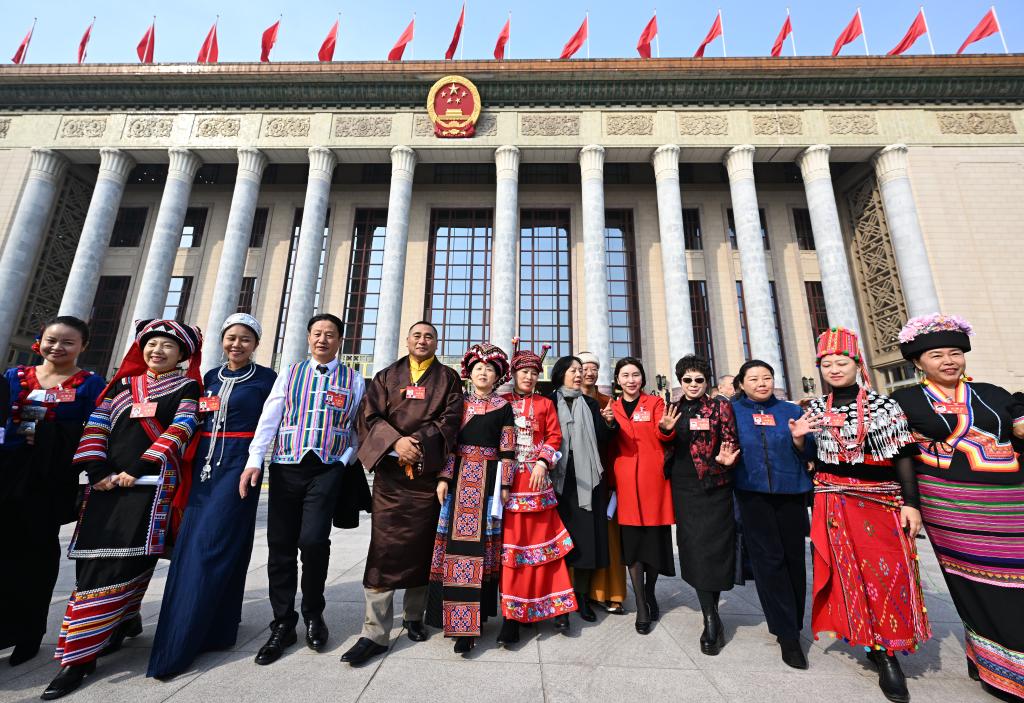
{"x":333,"y":319}
{"x":74,"y":323}
{"x":428,"y":323}
{"x":692,"y":362}
{"x":629,"y":361}
{"x":741,"y":375}
{"x":560,"y":367}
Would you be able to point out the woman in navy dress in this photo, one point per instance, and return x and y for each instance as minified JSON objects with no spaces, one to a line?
{"x":202,"y":603}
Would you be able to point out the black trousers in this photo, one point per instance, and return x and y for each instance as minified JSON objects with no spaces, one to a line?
{"x":302,"y":498}
{"x":31,"y":556}
{"x":775,"y":527}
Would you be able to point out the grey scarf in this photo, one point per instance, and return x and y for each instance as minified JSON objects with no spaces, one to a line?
{"x":578,"y":437}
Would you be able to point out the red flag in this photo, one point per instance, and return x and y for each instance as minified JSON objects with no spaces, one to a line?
{"x":918,"y":29}
{"x":713,"y":33}
{"x":450,"y":54}
{"x":85,"y":42}
{"x":209,"y":52}
{"x":326,"y":52}
{"x":499,"y":47}
{"x":576,"y":41}
{"x":787,"y":29}
{"x":19,"y":55}
{"x":852,"y":31}
{"x":399,"y":48}
{"x":643,"y":45}
{"x":145,"y":47}
{"x":268,"y":41}
{"x":988,"y":26}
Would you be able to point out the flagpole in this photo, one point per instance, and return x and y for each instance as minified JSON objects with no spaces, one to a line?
{"x":32,"y":33}
{"x":412,"y":42}
{"x":462,"y":43}
{"x":792,"y":38}
{"x":86,"y":50}
{"x":927,"y":30}
{"x":149,"y":46}
{"x":657,"y":39}
{"x":998,"y":24}
{"x":586,"y":17}
{"x":863,"y":34}
{"x":508,"y":44}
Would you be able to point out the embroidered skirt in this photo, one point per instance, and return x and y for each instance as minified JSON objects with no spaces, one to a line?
{"x":867,"y":588}
{"x":976,"y":531}
{"x":535,"y":583}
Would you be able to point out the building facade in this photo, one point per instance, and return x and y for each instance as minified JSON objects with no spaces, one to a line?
{"x":735,"y":207}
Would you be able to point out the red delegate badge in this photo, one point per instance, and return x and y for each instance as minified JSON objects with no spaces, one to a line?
{"x":834,"y":419}
{"x":140,"y":410}
{"x":764,"y":420}
{"x":415,"y":392}
{"x":700,"y":423}
{"x":951,"y":408}
{"x":60,"y":395}
{"x":209,"y":404}
{"x":336,"y":399}
{"x":642,"y":415}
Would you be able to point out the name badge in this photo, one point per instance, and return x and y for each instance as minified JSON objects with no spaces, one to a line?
{"x":415,"y":392}
{"x":764,"y":420}
{"x":60,"y":395}
{"x":700,"y":423}
{"x":951,"y":408}
{"x":642,"y":416}
{"x":209,"y":404}
{"x":140,"y":410}
{"x":335,"y":399}
{"x":834,"y":419}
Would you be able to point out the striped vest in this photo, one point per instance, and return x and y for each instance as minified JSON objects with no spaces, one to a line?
{"x":308,"y":422}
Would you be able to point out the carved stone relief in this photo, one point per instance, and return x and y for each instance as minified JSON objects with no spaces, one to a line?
{"x":286,"y":127}
{"x":360,"y":126}
{"x":852,"y":123}
{"x":83,"y":127}
{"x":975,"y":123}
{"x":5,"y":126}
{"x":149,"y":127}
{"x":550,"y":125}
{"x":224,"y":127}
{"x":774,"y":123}
{"x":630,"y":124}
{"x":708,"y":125}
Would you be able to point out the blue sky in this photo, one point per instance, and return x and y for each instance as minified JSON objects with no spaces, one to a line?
{"x":539,"y":27}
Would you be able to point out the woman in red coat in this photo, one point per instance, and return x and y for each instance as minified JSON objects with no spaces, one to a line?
{"x":643,"y":494}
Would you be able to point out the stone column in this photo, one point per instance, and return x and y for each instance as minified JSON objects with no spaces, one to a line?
{"x":307,"y":255}
{"x":80,"y":291}
{"x":762,"y":327}
{"x":595,"y":264}
{"x":396,"y":241}
{"x":26,"y":236}
{"x":673,"y":255}
{"x":836,"y":282}
{"x":504,"y":261}
{"x":905,"y":231}
{"x":231,"y":267}
{"x":156,"y":276}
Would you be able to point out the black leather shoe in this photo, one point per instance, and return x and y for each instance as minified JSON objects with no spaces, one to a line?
{"x":509,"y":633}
{"x":362,"y":651}
{"x":585,"y":611}
{"x":415,"y":630}
{"x":316,"y":634}
{"x":792,"y":654}
{"x":561,"y":623}
{"x":652,"y":603}
{"x":23,"y":651}
{"x":615,"y":608}
{"x":69,"y":679}
{"x":890,"y":677}
{"x":643,"y":627}
{"x":463,"y":645}
{"x":713,"y":638}
{"x":282,"y":636}
{"x":132,"y":627}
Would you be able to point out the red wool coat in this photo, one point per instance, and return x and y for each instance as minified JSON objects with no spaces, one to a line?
{"x":637,"y":453}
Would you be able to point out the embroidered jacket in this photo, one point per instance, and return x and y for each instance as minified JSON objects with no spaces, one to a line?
{"x":704,"y":445}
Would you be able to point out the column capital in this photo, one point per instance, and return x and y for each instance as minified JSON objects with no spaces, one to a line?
{"x":321,"y":162}
{"x":592,"y":161}
{"x":47,"y":164}
{"x":813,"y":162}
{"x":183,"y":164}
{"x":506,"y":161}
{"x":891,"y":163}
{"x":403,"y":162}
{"x":666,"y":161}
{"x":251,"y":161}
{"x":739,"y":162}
{"x":115,"y":164}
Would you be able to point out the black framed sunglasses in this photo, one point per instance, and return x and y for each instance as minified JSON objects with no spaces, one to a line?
{"x":687,"y":380}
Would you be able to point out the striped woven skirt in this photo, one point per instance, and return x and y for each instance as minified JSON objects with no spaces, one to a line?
{"x":977,"y":531}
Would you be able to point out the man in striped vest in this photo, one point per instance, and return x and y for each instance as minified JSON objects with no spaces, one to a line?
{"x":309,"y":418}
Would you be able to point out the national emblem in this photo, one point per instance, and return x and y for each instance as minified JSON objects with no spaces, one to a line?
{"x":454,"y":106}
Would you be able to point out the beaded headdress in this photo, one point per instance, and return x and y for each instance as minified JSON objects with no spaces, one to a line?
{"x":526,"y":359}
{"x":935,"y":331}
{"x":490,"y":354}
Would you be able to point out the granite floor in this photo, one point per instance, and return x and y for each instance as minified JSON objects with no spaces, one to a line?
{"x":602,"y":661}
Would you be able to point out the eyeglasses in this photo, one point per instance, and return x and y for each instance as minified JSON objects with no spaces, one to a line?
{"x":687,"y":380}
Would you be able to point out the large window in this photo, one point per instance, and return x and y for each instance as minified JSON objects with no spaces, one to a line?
{"x":545,"y":299}
{"x":259,"y":227}
{"x":104,"y":322}
{"x":764,"y":229}
{"x":286,"y":293}
{"x":620,"y":257}
{"x":178,"y":293}
{"x":247,"y":295}
{"x":691,"y":228}
{"x":128,"y":227}
{"x":700,"y":313}
{"x":745,"y":332}
{"x":192,"y":230}
{"x":802,"y":225}
{"x":816,"y":306}
{"x":458,"y":298}
{"x":363,"y":297}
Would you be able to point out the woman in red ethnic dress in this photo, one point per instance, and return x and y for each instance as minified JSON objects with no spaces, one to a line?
{"x":867,"y":588}
{"x":535,"y":582}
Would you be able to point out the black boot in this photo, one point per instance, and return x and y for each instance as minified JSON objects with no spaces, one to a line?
{"x":464,"y":644}
{"x":793,"y":654}
{"x":713,"y":638}
{"x":69,"y":679}
{"x":585,"y":611}
{"x":561,"y":623}
{"x":890,"y":677}
{"x":23,"y":651}
{"x":132,"y":627}
{"x":282,"y":636}
{"x":509,"y":632}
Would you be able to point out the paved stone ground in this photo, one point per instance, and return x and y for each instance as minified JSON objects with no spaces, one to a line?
{"x":603,"y":661}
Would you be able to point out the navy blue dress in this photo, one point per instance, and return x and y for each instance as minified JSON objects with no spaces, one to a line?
{"x":202,"y":604}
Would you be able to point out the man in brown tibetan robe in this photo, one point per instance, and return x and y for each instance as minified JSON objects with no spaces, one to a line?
{"x":408,"y":427}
